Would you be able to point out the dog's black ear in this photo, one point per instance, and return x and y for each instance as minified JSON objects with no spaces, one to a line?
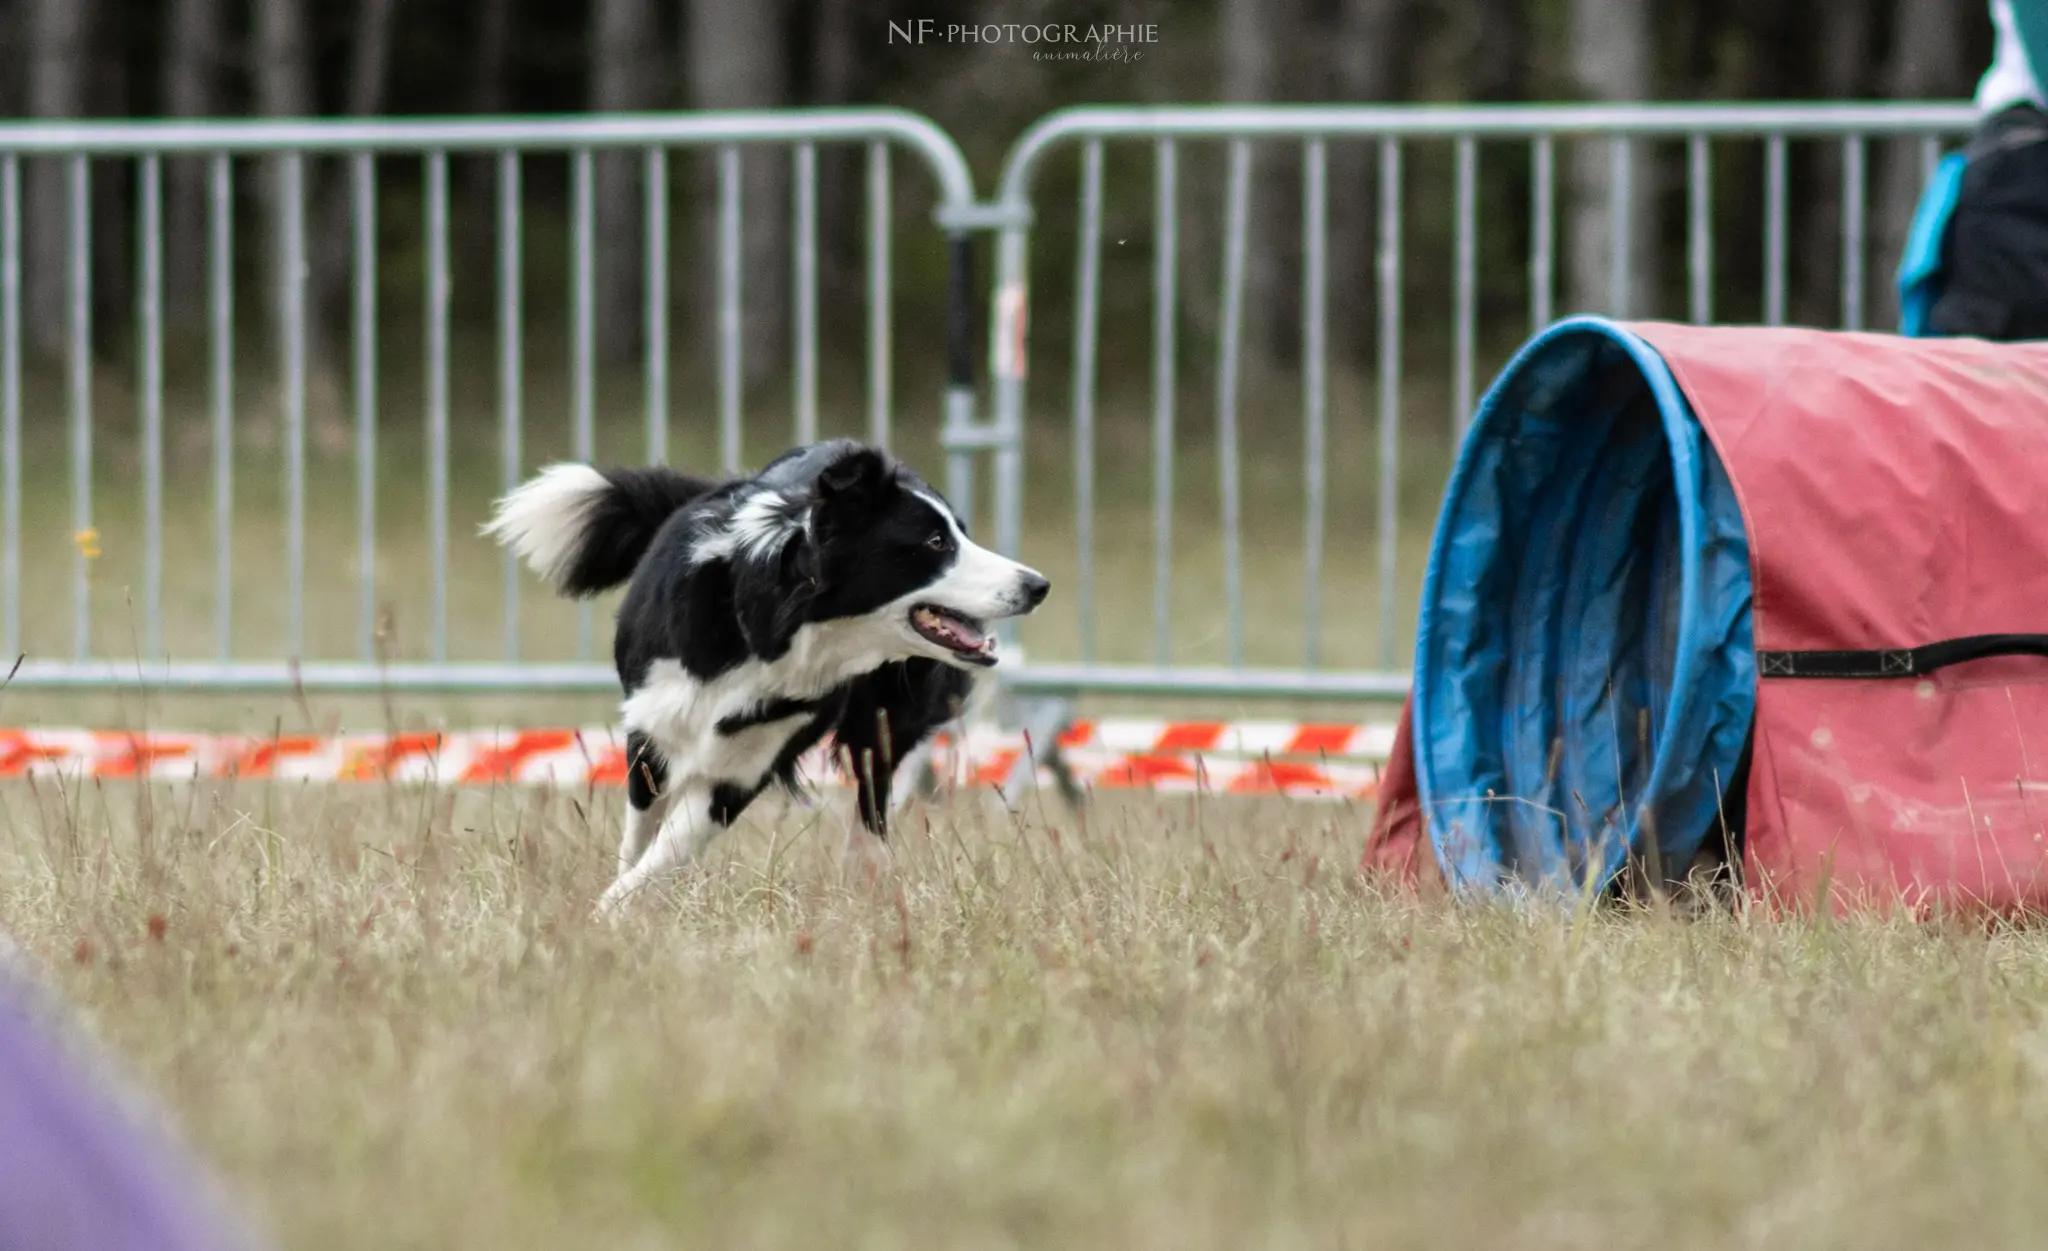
{"x":847,"y":490}
{"x":772,"y":596}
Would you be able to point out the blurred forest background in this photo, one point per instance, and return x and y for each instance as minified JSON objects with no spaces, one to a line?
{"x":287,"y":58}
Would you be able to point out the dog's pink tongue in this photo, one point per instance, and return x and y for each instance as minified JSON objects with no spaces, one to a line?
{"x":955,"y":633}
{"x":966,"y":635}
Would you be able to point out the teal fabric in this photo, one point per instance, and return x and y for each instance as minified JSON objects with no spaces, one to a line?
{"x":2030,"y":20}
{"x":1919,"y":278}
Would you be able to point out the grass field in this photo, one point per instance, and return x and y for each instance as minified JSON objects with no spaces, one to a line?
{"x":386,"y":1018}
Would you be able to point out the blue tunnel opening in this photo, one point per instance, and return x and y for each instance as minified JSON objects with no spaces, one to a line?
{"x":1585,"y":674}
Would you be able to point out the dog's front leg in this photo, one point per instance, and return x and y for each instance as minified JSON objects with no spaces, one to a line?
{"x":694,"y":818}
{"x":648,"y":798}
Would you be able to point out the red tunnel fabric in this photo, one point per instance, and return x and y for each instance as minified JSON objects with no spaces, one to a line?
{"x":1895,"y":494}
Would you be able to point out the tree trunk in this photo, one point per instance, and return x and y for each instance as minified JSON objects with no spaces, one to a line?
{"x":842,"y":169}
{"x":490,"y":94}
{"x":1926,"y":61}
{"x":1254,"y":37}
{"x":191,"y":81}
{"x":284,"y":88}
{"x":114,"y":183}
{"x":491,"y":91}
{"x":14,"y":18}
{"x":369,"y":72}
{"x":58,"y":59}
{"x":1363,"y":73}
{"x":1499,"y":60}
{"x":1845,"y":56}
{"x":1611,"y":58}
{"x":330,"y":235}
{"x":622,"y":79}
{"x":736,"y":59}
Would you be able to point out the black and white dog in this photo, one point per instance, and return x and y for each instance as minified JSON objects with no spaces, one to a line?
{"x":832,"y":592}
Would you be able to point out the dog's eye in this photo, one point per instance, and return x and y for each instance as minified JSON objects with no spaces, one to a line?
{"x":937,"y":541}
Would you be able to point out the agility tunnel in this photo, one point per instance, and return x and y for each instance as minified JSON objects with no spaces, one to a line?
{"x":1774,"y":594}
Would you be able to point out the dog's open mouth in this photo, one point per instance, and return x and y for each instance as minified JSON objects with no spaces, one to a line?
{"x":956,"y":632}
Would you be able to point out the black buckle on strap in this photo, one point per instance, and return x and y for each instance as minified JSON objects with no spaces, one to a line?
{"x":1894,"y":662}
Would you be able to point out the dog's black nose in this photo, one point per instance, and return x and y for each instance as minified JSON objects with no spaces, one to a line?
{"x":1035,"y":588}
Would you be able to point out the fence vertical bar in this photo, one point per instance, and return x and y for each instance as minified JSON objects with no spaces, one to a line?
{"x":1620,"y":213}
{"x":879,"y":238}
{"x":78,"y":186}
{"x":1013,"y":269}
{"x":1314,"y":389}
{"x":437,"y":397}
{"x":1087,"y":282}
{"x":293,"y":347}
{"x":10,"y":401}
{"x":149,"y":316}
{"x":1930,"y":156}
{"x":220,"y":207}
{"x":1699,"y":230}
{"x":1774,"y":230}
{"x":1165,"y":264}
{"x":1390,"y":390}
{"x":583,"y":337}
{"x":655,"y":330}
{"x":729,"y":327}
{"x":363,"y":182}
{"x":511,"y":303}
{"x":806,"y":301}
{"x":1006,"y":372}
{"x":1466,"y":245}
{"x":1542,"y":231}
{"x":1853,"y":257}
{"x":1229,"y":344}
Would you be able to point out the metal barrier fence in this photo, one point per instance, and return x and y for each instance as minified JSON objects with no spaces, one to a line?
{"x":285,"y":150}
{"x":1042,"y":689}
{"x":1147,"y":545}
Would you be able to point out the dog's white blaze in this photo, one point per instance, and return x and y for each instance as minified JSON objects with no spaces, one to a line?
{"x":980,"y":584}
{"x":544,"y":519}
{"x":758,"y":525}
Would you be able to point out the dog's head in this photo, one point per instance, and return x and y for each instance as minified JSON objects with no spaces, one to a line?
{"x":855,"y":534}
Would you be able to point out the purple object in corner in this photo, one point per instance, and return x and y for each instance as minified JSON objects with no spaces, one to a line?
{"x":76,"y":1171}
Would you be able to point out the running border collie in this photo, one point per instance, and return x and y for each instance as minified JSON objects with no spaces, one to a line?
{"x":833,"y":592}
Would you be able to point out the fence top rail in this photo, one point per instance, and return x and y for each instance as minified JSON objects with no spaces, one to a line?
{"x":327,"y":677}
{"x":1490,"y":121}
{"x":591,"y":678}
{"x":243,"y":136}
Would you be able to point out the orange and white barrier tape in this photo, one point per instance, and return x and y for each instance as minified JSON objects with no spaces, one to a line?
{"x":1245,"y":758}
{"x":1221,"y":757}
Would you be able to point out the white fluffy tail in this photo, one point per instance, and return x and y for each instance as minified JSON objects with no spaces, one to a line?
{"x":546,"y":520}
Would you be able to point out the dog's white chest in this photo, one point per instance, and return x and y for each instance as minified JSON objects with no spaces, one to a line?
{"x":708,"y":729}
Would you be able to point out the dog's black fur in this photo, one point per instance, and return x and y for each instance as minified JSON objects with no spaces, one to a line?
{"x":724,"y":578}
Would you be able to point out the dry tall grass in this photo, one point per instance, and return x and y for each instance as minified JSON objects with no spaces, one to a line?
{"x":387,"y":1018}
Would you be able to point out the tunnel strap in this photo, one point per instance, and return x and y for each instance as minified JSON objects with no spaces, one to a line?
{"x":1908,"y":662}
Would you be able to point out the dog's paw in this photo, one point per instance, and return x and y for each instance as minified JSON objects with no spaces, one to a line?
{"x":610,"y":905}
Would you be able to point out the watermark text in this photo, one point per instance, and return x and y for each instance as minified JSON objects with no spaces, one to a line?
{"x":1079,"y":38}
